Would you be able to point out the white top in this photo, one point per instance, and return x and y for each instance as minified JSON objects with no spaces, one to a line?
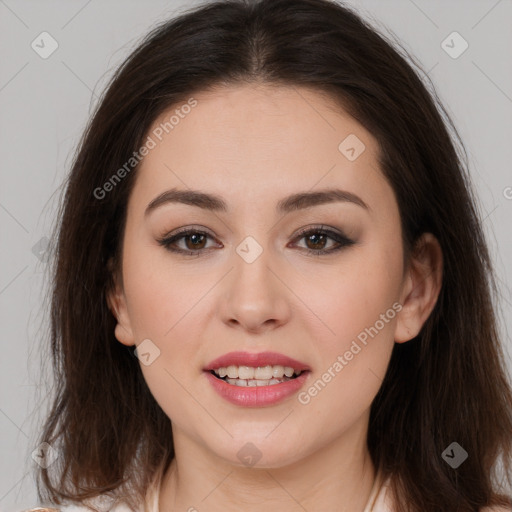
{"x":379,"y":500}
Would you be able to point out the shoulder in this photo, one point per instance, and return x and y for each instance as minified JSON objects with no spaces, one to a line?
{"x":118,"y":507}
{"x":384,"y":502}
{"x":66,"y":508}
{"x":41,"y":509}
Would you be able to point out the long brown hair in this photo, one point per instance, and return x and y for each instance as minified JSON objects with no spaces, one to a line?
{"x":448,"y":384}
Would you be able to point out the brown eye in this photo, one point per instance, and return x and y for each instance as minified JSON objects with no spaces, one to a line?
{"x":317,"y":241}
{"x":317,"y":238}
{"x":195,"y":241}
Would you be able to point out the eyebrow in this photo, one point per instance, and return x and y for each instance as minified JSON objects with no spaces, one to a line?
{"x":294,"y":202}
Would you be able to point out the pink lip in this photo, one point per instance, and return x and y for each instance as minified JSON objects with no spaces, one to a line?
{"x":261,"y":359}
{"x":257,"y":396}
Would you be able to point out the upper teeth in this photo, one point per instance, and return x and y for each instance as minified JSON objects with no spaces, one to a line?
{"x":260,"y":373}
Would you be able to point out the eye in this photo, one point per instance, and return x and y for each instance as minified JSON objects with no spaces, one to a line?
{"x":194,"y":241}
{"x":317,"y":237}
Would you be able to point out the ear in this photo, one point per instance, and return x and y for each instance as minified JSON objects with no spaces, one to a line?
{"x":421,"y":287}
{"x":116,"y":301}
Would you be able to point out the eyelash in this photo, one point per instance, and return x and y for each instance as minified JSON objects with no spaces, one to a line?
{"x":342,"y":240}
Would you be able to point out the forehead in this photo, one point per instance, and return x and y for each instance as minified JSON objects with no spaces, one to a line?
{"x":261,"y":142}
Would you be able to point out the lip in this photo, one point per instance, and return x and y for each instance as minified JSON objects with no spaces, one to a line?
{"x":259,"y":359}
{"x":257,"y":396}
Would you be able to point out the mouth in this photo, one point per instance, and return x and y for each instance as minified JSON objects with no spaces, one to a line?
{"x":253,"y":369}
{"x":256,"y":384}
{"x":250,"y":376}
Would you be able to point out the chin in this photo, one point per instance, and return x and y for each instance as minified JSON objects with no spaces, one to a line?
{"x":261,"y":452}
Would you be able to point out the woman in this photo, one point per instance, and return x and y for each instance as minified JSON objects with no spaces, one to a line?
{"x":268,"y":206}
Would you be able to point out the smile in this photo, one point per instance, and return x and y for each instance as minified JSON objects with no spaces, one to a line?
{"x":249,"y":376}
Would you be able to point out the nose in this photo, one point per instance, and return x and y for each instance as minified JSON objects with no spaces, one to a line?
{"x":255,"y":297}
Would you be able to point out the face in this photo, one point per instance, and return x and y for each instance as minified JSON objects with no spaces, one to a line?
{"x":318,"y":281}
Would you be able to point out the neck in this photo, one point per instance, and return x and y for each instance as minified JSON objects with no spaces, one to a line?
{"x":338,"y":476}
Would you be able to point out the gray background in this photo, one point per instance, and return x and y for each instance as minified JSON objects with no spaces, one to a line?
{"x":44,"y":105}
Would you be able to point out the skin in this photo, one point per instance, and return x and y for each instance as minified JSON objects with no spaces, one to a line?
{"x":254,"y":145}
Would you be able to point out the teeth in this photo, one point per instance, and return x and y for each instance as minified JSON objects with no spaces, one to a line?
{"x":288,"y":371}
{"x":262,"y":373}
{"x":245,"y":372}
{"x":232,"y":372}
{"x":256,"y":382}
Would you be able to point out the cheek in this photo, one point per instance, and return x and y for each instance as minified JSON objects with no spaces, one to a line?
{"x":160,"y":296}
{"x":356,"y":336}
{"x":351,"y":369}
{"x":168,"y":307}
{"x":345,"y":299}
{"x":165,"y":307}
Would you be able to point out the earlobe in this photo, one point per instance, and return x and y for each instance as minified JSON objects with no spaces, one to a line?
{"x":116,"y":302}
{"x":421,"y":289}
